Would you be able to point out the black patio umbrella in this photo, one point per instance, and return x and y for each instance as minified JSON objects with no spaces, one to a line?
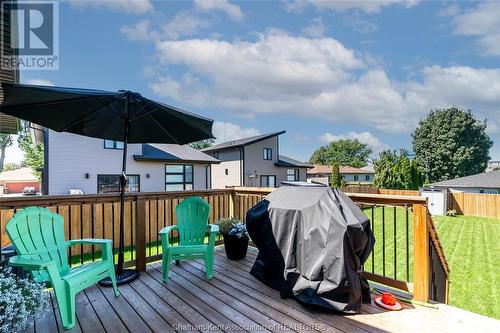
{"x":121,"y":116}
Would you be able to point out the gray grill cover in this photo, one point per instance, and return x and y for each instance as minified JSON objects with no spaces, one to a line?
{"x":312,"y":244}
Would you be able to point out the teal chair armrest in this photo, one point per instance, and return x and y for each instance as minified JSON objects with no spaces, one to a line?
{"x":214,"y":230}
{"x":95,"y":241}
{"x":165,"y":233}
{"x":30,"y":264}
{"x":106,"y":245}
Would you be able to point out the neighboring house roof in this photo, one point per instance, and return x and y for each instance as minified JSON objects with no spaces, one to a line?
{"x":325,"y":169}
{"x":18,"y":175}
{"x":488,"y":180}
{"x":241,"y":142}
{"x":284,"y":161}
{"x":173,"y":153}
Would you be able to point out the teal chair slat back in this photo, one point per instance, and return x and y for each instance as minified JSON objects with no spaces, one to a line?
{"x":38,"y":233}
{"x":192,"y":218}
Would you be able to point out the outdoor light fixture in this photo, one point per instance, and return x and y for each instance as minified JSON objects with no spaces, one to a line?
{"x":147,"y":175}
{"x":87,"y":176}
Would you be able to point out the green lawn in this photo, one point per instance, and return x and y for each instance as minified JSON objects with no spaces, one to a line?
{"x":472,"y":248}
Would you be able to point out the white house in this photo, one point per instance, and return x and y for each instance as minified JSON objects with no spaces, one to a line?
{"x":323,"y":173}
{"x":75,"y":163}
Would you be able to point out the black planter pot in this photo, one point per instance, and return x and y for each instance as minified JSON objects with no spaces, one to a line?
{"x":236,"y":247}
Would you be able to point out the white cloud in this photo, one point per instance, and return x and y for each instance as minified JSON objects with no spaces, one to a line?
{"x":359,"y":24}
{"x":140,"y":31}
{"x":182,"y":24}
{"x":367,"y":6}
{"x":363,"y":137}
{"x":316,"y":29}
{"x":137,"y":7}
{"x":232,"y":10}
{"x":451,"y":10}
{"x":317,"y":78}
{"x":225,"y":131}
{"x":483,"y":22}
{"x":39,"y":82}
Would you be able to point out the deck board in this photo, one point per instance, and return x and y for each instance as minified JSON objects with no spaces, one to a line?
{"x":232,"y":299}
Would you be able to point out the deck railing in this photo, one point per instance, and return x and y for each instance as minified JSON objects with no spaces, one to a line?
{"x":407,"y":254}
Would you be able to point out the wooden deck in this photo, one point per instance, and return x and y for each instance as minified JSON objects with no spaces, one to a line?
{"x":233,"y":300}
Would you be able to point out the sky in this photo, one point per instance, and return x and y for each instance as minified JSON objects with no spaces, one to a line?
{"x":320,"y":70}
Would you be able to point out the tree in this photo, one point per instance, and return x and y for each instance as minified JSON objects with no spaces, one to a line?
{"x":199,"y":145}
{"x":345,"y":152}
{"x":451,"y":143}
{"x":12,"y":166}
{"x":396,"y":171}
{"x":336,"y":178}
{"x":33,"y":153}
{"x":5,"y":141}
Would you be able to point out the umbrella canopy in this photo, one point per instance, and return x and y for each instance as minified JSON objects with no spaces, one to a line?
{"x":102,"y":114}
{"x":121,"y":116}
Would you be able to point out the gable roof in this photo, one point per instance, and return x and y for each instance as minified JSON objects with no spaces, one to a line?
{"x":173,"y":153}
{"x":487,"y":179}
{"x":325,"y":169}
{"x":241,"y":142}
{"x":284,"y":161}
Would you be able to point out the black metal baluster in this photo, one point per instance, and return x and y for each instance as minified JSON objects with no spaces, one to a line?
{"x":373,"y":230}
{"x":395,"y":239}
{"x":407,"y":246}
{"x":92,"y":226}
{"x":149,"y":231}
{"x":383,"y":240}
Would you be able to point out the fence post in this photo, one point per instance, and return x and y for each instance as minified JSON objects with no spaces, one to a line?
{"x":421,"y":259}
{"x":140,"y":235}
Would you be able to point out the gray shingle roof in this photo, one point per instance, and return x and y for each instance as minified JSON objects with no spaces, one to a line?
{"x":173,"y":153}
{"x":241,"y":142}
{"x":284,"y":161}
{"x":488,"y":180}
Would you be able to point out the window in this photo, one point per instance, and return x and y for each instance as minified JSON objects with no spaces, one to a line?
{"x":267,"y":181}
{"x":489,"y":191}
{"x":268,"y":154}
{"x":178,"y":177}
{"x":292,"y":174}
{"x":111,"y":144}
{"x":356,"y":178}
{"x":111,"y":183}
{"x":367,"y":178}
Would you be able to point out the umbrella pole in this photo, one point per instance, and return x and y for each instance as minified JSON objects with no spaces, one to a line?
{"x":123,"y":276}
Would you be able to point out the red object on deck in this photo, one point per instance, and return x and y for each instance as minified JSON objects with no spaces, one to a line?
{"x":389,"y":302}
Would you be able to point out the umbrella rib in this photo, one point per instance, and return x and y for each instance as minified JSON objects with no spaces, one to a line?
{"x":48,"y":103}
{"x":103,"y":105}
{"x":163,"y":128}
{"x":143,"y":107}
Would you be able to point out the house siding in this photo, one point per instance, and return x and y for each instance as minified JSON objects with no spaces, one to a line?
{"x":230,"y":160}
{"x":255,"y":164}
{"x":71,"y":157}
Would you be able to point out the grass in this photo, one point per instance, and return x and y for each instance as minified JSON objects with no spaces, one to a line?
{"x":472,"y":248}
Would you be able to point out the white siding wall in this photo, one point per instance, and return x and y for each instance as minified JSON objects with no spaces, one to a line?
{"x":230,"y":160}
{"x":72,"y":156}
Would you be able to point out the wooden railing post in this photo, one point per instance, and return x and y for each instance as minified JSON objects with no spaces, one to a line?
{"x":236,"y":204}
{"x":420,"y":253}
{"x":140,"y":235}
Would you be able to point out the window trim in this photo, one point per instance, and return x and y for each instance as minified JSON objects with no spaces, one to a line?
{"x":267,"y":157}
{"x":262,"y":176}
{"x":114,"y":144}
{"x":183,"y":173}
{"x":118,"y":175}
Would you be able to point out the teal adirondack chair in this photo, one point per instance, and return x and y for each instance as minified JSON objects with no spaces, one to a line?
{"x":37,"y":235}
{"x":193,"y":227}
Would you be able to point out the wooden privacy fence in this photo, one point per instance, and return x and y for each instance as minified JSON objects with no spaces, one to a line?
{"x":375,"y":190}
{"x":475,"y":204}
{"x":407,"y":253}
